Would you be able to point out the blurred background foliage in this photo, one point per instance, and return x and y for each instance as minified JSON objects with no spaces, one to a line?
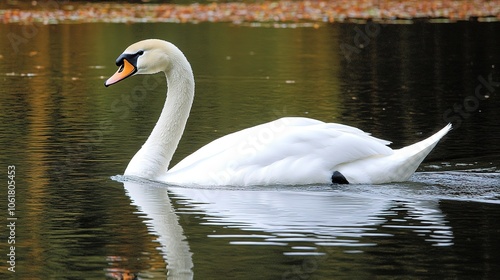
{"x":34,"y":4}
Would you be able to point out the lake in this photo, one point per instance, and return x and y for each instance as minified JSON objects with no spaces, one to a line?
{"x":68,"y":139}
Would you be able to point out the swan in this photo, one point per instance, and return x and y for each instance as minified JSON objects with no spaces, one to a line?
{"x":287,"y":151}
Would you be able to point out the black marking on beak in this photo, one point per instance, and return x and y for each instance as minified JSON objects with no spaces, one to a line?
{"x":131,"y":57}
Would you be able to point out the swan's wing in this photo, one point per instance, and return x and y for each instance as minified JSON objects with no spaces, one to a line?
{"x":285,"y":151}
{"x":242,"y":137}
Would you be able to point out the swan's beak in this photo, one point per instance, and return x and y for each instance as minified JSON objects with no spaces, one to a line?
{"x":127,"y":69}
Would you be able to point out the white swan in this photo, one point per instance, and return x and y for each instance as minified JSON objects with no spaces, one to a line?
{"x":287,"y":151}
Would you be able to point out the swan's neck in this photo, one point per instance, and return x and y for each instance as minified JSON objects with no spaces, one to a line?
{"x":153,"y":159}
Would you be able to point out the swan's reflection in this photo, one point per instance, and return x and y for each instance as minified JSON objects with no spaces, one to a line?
{"x":155,"y":203}
{"x":323,"y":218}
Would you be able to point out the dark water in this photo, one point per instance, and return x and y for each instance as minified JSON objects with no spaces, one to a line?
{"x":67,"y":136}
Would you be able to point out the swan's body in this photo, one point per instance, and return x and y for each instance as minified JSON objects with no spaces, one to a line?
{"x":287,"y":151}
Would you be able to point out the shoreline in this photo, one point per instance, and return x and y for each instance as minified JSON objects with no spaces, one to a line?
{"x":268,"y":12}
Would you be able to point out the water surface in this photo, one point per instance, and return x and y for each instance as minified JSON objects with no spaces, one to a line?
{"x":70,"y":138}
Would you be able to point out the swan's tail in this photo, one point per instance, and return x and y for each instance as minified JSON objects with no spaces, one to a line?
{"x":410,"y":157}
{"x":396,"y":167}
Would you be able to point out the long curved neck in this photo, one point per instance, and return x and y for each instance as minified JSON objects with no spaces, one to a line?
{"x":153,"y":159}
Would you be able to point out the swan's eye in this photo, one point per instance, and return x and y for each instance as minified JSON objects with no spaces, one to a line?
{"x":140,"y":52}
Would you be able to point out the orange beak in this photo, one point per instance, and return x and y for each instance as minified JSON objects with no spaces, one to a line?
{"x":127,"y":69}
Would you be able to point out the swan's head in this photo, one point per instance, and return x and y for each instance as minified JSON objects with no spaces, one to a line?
{"x":144,"y":57}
